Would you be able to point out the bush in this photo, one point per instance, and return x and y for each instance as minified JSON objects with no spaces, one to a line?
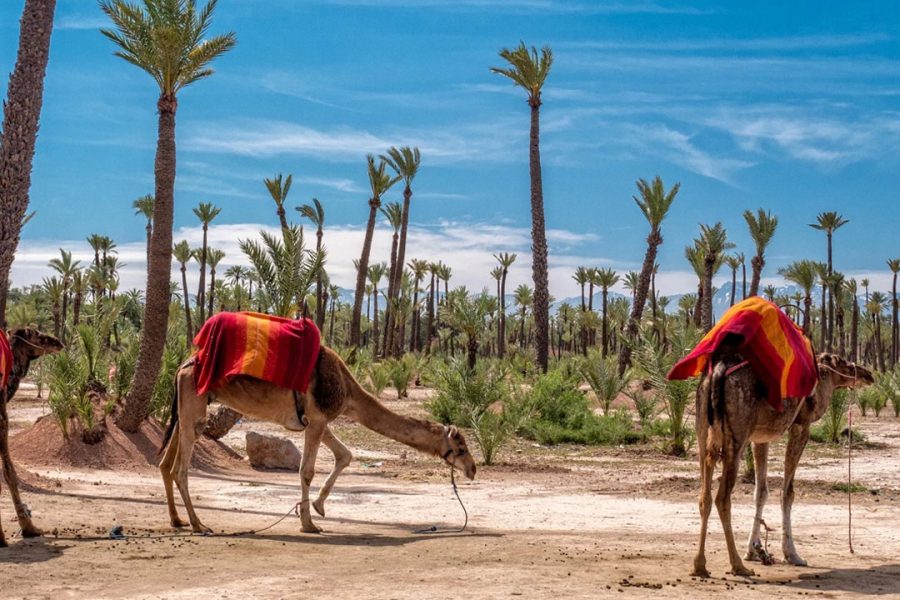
{"x":602,"y":374}
{"x":644,"y":404}
{"x":866,"y":399}
{"x":174,"y":354}
{"x":400,"y":371}
{"x":834,"y":421}
{"x":67,"y":381}
{"x":379,"y":376}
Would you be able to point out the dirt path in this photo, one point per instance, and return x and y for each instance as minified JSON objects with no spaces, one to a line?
{"x":564,"y":522}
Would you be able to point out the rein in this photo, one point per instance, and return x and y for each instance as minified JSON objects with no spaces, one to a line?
{"x":433,"y":528}
{"x":32,"y":344}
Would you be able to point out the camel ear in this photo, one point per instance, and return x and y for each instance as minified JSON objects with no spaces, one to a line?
{"x":452,"y":431}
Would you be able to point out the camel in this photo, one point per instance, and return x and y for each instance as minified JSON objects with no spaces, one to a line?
{"x":332,"y":392}
{"x":26,"y":345}
{"x":732,"y":410}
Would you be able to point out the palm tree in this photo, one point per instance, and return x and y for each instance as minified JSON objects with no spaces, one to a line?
{"x":695,"y":257}
{"x":375,"y":273}
{"x":182,"y":253}
{"x":419,"y":269}
{"x":762,"y":227}
{"x":523,"y":298}
{"x":433,"y":270}
{"x":875,"y":306}
{"x":606,"y":278}
{"x":829,"y":222}
{"x":467,"y":315}
{"x":852,"y":291}
{"x":214,"y":256}
{"x":316,"y":214}
{"x":379,"y":182}
{"x":804,"y":273}
{"x":529,"y":72}
{"x":405,"y":163}
{"x":21,"y":116}
{"x":822,"y":272}
{"x":79,"y":287}
{"x":733,"y":261}
{"x":206,"y":212}
{"x":66,"y":267}
{"x":278,"y":189}
{"x":167,"y":39}
{"x":581,"y":276}
{"x":714,"y":243}
{"x":743,"y":260}
{"x":631,"y":281}
{"x":894,"y":265}
{"x":394,"y":215}
{"x":53,"y":288}
{"x":654,"y":203}
{"x":506,"y":260}
{"x":144,"y":206}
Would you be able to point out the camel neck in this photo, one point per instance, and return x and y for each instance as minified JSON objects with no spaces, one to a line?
{"x":424,"y":436}
{"x":20,"y":365}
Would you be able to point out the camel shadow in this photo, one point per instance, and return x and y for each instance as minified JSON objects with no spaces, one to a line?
{"x":875,"y":581}
{"x":33,"y":551}
{"x":368,"y":539}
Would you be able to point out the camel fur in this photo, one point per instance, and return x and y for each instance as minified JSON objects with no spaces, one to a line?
{"x":26,"y":344}
{"x":731,"y":411}
{"x":332,"y":392}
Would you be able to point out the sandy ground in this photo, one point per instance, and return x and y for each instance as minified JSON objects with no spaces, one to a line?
{"x":566,"y":521}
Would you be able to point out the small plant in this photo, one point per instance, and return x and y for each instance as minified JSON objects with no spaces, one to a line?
{"x":834,"y":421}
{"x":854,"y":488}
{"x":865,"y":399}
{"x":401,"y":371}
{"x":66,"y":381}
{"x":602,"y":374}
{"x":379,"y":378}
{"x":644,"y":404}
{"x":173,"y":355}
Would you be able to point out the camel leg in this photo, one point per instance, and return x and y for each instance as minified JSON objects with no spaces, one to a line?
{"x":191,"y":421}
{"x":314,"y":434}
{"x":707,"y":465}
{"x":730,"y":465}
{"x":166,"y":466}
{"x":12,"y":480}
{"x":342,"y":458}
{"x":761,"y":494}
{"x":797,"y":437}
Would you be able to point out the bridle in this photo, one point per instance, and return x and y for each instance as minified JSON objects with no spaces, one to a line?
{"x":30,"y":343}
{"x":450,"y":450}
{"x":854,"y":377}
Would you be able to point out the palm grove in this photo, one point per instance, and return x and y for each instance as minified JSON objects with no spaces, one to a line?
{"x":403,"y":321}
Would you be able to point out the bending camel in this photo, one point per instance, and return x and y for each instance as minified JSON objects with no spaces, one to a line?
{"x":25,"y":345}
{"x":333,"y":392}
{"x":732,"y":410}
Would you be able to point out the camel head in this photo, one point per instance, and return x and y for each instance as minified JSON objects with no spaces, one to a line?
{"x":455,"y":452}
{"x":842,"y":372}
{"x":32,"y":343}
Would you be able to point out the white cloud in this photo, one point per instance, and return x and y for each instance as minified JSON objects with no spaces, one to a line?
{"x":74,"y":22}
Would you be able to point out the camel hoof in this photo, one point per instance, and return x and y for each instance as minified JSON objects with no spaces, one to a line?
{"x":700,"y":572}
{"x":310,"y":528}
{"x":3,"y":543}
{"x":796,"y":561}
{"x":202,"y":529}
{"x":178,"y":523}
{"x":742,"y":571}
{"x":319,"y":505}
{"x":31,"y":532}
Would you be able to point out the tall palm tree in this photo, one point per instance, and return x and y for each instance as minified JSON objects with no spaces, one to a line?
{"x":405,"y":163}
{"x":506,"y":260}
{"x":394,"y":214}
{"x":419,"y":270}
{"x":182,"y":253}
{"x":206,"y":212}
{"x":804,"y":273}
{"x":733,"y":261}
{"x":581,"y":276}
{"x":53,"y":288}
{"x":79,"y":287}
{"x":714,"y":242}
{"x":606,"y":278}
{"x":829,"y":222}
{"x":529,"y":72}
{"x":631,"y":282}
{"x":695,"y":257}
{"x":375,"y":273}
{"x":894,"y":266}
{"x":852,"y":291}
{"x":144,"y":206}
{"x":66,"y":267}
{"x":654,"y":203}
{"x":213,"y":258}
{"x":278,"y":189}
{"x":497,"y":275}
{"x":433,"y":270}
{"x":523,"y":298}
{"x":379,"y":183}
{"x":743,"y":260}
{"x":169,"y":40}
{"x":762,"y":227}
{"x":822,"y":272}
{"x":315,"y":213}
{"x":21,"y":116}
{"x":875,"y":306}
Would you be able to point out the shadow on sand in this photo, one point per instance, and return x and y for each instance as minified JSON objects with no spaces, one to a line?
{"x":875,"y":581}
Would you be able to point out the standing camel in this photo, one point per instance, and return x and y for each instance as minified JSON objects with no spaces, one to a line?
{"x":332,"y":392}
{"x":25,"y":346}
{"x":732,"y":409}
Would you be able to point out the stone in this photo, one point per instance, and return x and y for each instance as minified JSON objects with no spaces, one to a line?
{"x":272,"y":452}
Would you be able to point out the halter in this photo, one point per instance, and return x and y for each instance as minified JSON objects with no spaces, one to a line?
{"x":854,"y":377}
{"x":32,"y":344}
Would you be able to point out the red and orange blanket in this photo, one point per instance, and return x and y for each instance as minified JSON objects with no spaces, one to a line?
{"x":775,"y":348}
{"x":6,"y":360}
{"x":277,"y":350}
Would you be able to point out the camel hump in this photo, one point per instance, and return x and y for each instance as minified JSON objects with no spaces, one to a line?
{"x":330,"y":386}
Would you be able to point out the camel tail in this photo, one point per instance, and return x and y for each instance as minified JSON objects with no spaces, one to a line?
{"x":173,"y":418}
{"x":715,"y":409}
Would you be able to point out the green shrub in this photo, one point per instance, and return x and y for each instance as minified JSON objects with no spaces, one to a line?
{"x":865,"y":399}
{"x":644,"y":404}
{"x":67,"y":381}
{"x":834,"y":421}
{"x":125,"y":362}
{"x":400,"y":371}
{"x":379,"y":376}
{"x":174,"y":354}
{"x":602,"y":374}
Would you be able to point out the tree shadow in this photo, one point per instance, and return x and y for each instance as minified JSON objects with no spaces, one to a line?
{"x":875,"y":581}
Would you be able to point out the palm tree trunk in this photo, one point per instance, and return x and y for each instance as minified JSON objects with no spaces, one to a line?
{"x":823,"y":333}
{"x":429,"y":334}
{"x":149,"y":229}
{"x":156,"y":307}
{"x":187,"y":306}
{"x":320,"y":291}
{"x":541,"y":307}
{"x":605,"y":332}
{"x":757,"y":263}
{"x":706,"y":307}
{"x":375,"y":323}
{"x":331,"y":327}
{"x":743,"y":280}
{"x":830,"y":322}
{"x":76,"y":308}
{"x":65,"y":315}
{"x":388,"y":312}
{"x":854,"y":331}
{"x":733,"y":285}
{"x":414,"y":333}
{"x":212,"y":291}
{"x":807,"y":307}
{"x":361,"y":275}
{"x":21,"y":117}
{"x":401,"y":258}
{"x":640,"y":298}
{"x":501,"y":349}
{"x":895,"y":329}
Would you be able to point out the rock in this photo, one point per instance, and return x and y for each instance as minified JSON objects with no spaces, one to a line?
{"x":271,"y":452}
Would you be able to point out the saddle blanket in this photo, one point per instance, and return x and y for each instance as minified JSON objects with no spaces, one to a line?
{"x":277,"y":350}
{"x":775,"y":348}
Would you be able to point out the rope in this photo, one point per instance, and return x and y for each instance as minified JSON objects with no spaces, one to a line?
{"x":849,"y":479}
{"x":433,"y":528}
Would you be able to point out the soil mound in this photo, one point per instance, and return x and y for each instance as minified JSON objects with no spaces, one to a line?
{"x":43,"y":444}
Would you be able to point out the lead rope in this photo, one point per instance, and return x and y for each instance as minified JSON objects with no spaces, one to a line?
{"x":849,"y":479}
{"x":433,"y":528}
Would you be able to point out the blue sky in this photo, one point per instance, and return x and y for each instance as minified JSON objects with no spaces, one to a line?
{"x":787,"y":106}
